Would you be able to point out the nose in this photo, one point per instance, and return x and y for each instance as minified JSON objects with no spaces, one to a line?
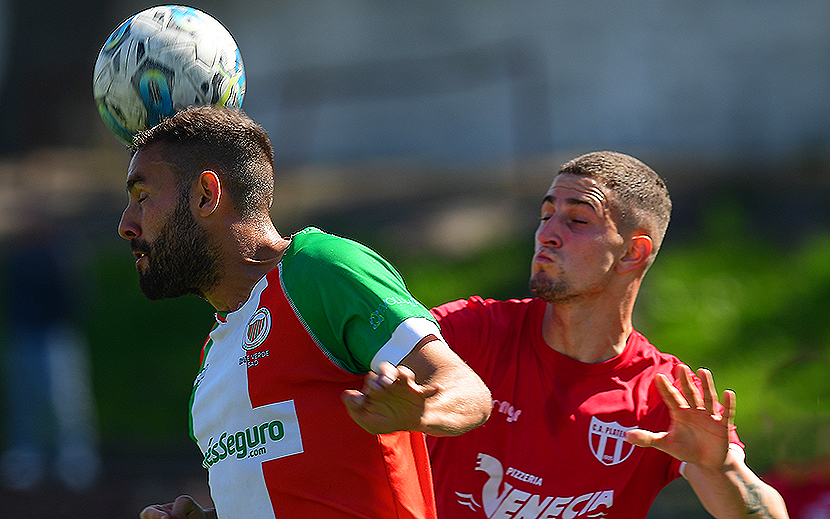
{"x":128,"y":228}
{"x":548,"y":232}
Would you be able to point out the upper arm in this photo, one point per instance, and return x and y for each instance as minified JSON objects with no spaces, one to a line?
{"x":354,"y":303}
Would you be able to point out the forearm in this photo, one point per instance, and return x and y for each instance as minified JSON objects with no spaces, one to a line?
{"x":462,"y":404}
{"x":735,"y":491}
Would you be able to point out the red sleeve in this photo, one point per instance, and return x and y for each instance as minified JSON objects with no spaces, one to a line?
{"x":460,"y":322}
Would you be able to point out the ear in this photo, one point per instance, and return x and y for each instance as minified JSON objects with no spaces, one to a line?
{"x":639,"y":250}
{"x":208,"y":192}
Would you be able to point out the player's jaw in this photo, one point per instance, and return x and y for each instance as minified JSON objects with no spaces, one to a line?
{"x":550,"y":278}
{"x":545,"y":277}
{"x":180,"y":260}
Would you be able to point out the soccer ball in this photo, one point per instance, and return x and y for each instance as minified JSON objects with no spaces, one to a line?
{"x":161,"y":61}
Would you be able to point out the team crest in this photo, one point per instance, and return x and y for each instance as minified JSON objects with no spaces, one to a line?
{"x":258,"y":328}
{"x":607,"y":441}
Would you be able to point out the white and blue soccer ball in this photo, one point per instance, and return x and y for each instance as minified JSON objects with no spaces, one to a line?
{"x":161,"y":61}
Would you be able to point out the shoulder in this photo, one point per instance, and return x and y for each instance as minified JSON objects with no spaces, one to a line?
{"x":490,"y":307}
{"x":312,"y":250}
{"x":642,"y":347}
{"x":314,"y":243}
{"x":477,"y":318}
{"x":643,"y":356}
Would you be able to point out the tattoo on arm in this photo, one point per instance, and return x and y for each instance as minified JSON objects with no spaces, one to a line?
{"x":754,"y":499}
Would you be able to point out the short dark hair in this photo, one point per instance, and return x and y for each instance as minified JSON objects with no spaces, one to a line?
{"x":223,"y":139}
{"x":639,"y":197}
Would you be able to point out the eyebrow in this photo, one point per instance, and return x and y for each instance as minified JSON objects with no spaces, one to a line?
{"x":137,"y":178}
{"x":550,"y":199}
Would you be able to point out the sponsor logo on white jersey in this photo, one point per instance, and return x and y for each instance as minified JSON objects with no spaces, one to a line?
{"x":275,"y":433}
{"x":607,"y":441}
{"x":258,"y":329}
{"x":501,"y":500}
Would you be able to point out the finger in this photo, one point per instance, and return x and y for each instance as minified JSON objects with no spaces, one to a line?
{"x":405,"y":373}
{"x":687,"y":384}
{"x":386,"y":376}
{"x":729,"y":401}
{"x":643,"y":438}
{"x":429,"y":390}
{"x":673,"y":399}
{"x":398,"y":381}
{"x":370,"y":381}
{"x":154,"y":512}
{"x":408,"y":385}
{"x":709,"y":393}
{"x":186,"y":508}
{"x":355,"y":409}
{"x":402,"y":390}
{"x":353,"y":399}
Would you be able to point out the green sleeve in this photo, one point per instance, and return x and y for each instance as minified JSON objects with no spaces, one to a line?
{"x":349,"y":298}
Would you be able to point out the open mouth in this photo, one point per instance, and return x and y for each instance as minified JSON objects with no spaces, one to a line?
{"x":139,"y":255}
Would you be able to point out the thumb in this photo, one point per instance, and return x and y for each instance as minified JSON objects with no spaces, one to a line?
{"x":154,"y":512}
{"x":186,"y":508}
{"x":353,"y":399}
{"x":643,"y":438}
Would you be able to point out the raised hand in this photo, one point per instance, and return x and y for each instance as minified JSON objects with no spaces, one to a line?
{"x":699,"y":431}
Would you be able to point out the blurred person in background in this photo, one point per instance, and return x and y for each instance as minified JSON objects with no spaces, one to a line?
{"x":51,"y":427}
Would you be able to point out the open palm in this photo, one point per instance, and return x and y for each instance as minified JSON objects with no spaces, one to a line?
{"x":699,"y":430}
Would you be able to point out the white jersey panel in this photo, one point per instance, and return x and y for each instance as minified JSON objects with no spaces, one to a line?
{"x":235,"y":437}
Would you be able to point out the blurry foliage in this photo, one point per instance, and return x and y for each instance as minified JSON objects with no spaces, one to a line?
{"x":145,"y":355}
{"x":497,"y":272}
{"x":751,"y":309}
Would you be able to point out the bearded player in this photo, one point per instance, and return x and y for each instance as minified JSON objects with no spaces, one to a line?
{"x":301,"y":322}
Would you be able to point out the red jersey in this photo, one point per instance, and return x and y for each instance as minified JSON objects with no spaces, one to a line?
{"x":554,"y":445}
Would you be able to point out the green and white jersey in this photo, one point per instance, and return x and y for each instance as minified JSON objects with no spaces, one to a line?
{"x":266,"y":408}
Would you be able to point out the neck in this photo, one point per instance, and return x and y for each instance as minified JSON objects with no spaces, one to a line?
{"x":586,"y":332}
{"x":254,"y":251}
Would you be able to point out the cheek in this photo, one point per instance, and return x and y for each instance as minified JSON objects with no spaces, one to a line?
{"x":609,"y":258}
{"x":598,"y":255}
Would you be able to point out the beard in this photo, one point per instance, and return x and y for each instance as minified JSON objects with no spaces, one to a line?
{"x":553,"y":291}
{"x":183,"y":260}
